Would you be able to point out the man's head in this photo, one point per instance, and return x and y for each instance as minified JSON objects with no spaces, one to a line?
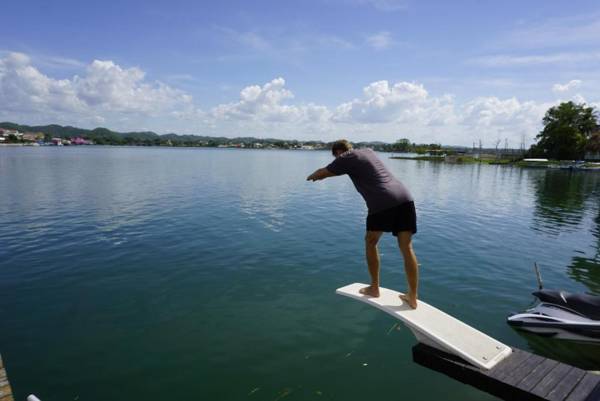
{"x":340,"y":147}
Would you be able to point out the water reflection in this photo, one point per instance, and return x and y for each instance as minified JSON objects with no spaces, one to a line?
{"x":560,"y":200}
{"x":586,"y":269}
{"x":569,"y":202}
{"x":583,"y":355}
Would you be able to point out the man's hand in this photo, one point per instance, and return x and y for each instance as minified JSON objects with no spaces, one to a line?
{"x":319,"y":175}
{"x":312,"y":177}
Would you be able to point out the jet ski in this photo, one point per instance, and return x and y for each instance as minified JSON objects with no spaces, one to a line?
{"x":561,"y":315}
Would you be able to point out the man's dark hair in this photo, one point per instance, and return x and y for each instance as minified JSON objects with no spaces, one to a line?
{"x":342,"y":145}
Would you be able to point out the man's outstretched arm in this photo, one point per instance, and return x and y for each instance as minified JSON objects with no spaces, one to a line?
{"x":320,"y":174}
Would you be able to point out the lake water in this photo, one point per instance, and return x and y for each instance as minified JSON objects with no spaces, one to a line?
{"x":189,"y":274}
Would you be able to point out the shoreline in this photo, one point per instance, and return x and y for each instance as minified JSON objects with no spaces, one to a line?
{"x":552,"y":164}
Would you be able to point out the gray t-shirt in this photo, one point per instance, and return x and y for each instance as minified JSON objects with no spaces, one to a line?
{"x":380,"y":189}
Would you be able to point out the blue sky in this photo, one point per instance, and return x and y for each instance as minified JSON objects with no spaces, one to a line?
{"x":432,"y":71}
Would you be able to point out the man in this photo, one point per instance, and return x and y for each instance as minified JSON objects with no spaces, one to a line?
{"x":391,"y":209}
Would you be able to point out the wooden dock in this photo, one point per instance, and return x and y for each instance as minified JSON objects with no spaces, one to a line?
{"x":5,"y":390}
{"x":521,"y":376}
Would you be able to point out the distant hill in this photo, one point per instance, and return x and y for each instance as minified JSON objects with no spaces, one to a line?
{"x":98,"y":135}
{"x":105,"y":136}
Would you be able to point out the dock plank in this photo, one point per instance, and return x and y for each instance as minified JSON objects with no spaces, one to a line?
{"x":566,"y":385}
{"x":584,"y":387}
{"x":5,"y":390}
{"x":509,"y":364}
{"x":594,"y":395}
{"x":523,"y":369}
{"x":551,"y":380}
{"x":537,"y":374}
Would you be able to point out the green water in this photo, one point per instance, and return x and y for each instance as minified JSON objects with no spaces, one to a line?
{"x":164,"y":274}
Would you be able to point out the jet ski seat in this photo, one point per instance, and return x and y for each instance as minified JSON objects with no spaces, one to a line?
{"x":587,"y":305}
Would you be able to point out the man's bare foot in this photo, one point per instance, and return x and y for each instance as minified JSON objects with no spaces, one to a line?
{"x":370,"y":291}
{"x":411,"y":300}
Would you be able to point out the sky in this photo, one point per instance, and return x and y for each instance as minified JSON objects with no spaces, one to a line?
{"x":450,"y":72}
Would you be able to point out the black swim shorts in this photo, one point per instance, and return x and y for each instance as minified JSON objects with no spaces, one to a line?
{"x":398,"y":218}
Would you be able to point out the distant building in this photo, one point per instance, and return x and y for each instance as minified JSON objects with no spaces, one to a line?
{"x":80,"y":141}
{"x":7,"y":132}
{"x":592,"y":156}
{"x":33,"y":136}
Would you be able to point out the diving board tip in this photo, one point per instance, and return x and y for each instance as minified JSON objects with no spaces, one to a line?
{"x":435,"y":328}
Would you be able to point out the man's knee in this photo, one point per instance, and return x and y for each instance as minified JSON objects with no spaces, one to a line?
{"x":405,"y":241}
{"x":372,"y":238}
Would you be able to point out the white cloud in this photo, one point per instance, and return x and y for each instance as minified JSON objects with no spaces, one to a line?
{"x":578,"y":98}
{"x":407,"y":107}
{"x":110,"y":87}
{"x":494,"y":112}
{"x":124,"y":99}
{"x":280,"y":43}
{"x":24,"y":88}
{"x":256,"y":102}
{"x":266,"y":104}
{"x":380,"y":41}
{"x":506,"y":60}
{"x":105,"y":89}
{"x":574,"y":30}
{"x":559,"y":88}
{"x":492,"y":118}
{"x":442,"y":111}
{"x":383,"y":102}
{"x":59,"y":63}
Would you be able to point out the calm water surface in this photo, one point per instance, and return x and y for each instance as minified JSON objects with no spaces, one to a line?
{"x":164,"y":274}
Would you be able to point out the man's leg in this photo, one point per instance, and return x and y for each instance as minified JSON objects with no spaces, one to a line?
{"x":411,"y":267}
{"x":371,"y":240}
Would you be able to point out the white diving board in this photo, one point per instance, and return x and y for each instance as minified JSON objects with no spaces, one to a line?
{"x":435,"y":328}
